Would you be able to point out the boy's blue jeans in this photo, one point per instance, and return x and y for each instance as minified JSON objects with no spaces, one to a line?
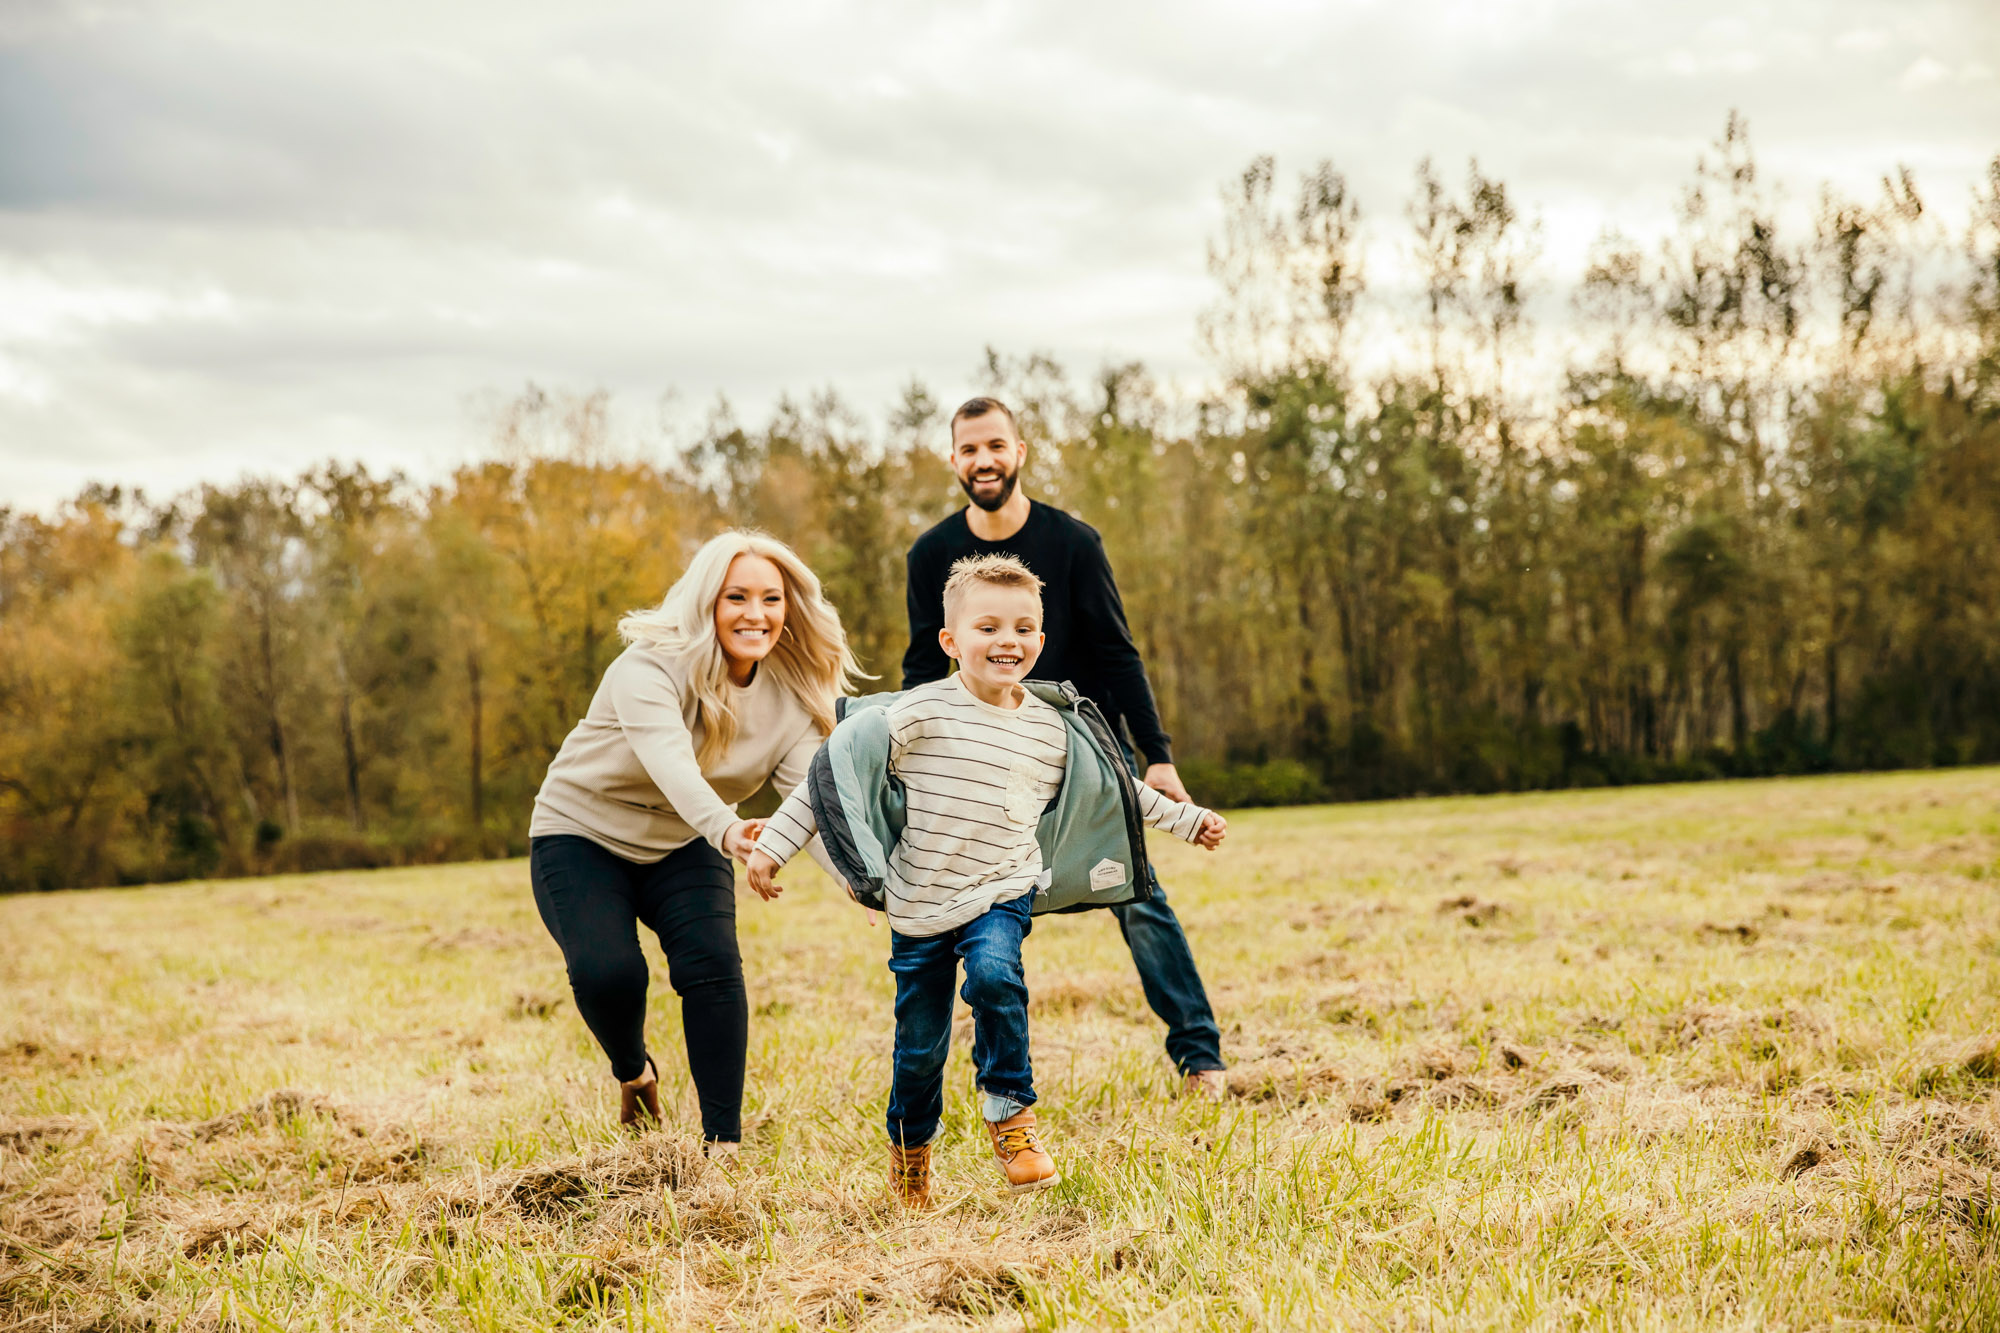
{"x":990,"y":947}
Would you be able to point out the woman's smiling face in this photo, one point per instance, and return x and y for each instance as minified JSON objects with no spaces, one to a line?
{"x":749,"y":613}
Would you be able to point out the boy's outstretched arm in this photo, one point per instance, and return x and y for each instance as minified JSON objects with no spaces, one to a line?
{"x":785,"y":832}
{"x":1184,"y":819}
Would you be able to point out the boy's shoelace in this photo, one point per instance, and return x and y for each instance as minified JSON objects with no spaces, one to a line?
{"x":1013,"y":1142}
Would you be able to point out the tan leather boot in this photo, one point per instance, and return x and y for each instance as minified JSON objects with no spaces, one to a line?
{"x":910,"y":1174}
{"x":1019,"y":1152}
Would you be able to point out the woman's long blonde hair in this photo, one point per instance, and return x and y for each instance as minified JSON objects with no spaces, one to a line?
{"x":811,"y":658}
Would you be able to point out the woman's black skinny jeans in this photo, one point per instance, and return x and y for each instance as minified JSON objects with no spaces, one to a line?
{"x":592,"y":900}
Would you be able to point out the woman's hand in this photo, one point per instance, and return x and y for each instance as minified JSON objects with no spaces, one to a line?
{"x":1213,"y":828}
{"x":763,"y":866}
{"x":741,"y":838}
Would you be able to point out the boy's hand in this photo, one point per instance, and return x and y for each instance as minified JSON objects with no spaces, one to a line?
{"x":1213,"y":829}
{"x":762,"y":867}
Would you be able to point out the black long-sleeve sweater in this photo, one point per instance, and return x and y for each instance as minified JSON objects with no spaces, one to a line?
{"x":1089,"y":643}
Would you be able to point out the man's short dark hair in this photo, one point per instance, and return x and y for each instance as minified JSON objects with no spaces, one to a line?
{"x":974,"y":408}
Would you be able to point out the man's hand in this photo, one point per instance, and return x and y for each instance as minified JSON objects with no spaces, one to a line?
{"x":741,"y":838}
{"x":762,"y":867}
{"x":1213,"y":829}
{"x":1163,"y":779}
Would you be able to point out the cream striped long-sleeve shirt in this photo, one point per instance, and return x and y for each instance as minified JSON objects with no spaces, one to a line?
{"x":977,"y":778}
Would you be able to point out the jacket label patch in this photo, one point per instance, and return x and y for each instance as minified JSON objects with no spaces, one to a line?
{"x":1106,"y":874}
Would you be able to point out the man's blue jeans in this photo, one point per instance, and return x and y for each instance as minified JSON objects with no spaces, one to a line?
{"x":990,"y":947}
{"x":1167,"y":974}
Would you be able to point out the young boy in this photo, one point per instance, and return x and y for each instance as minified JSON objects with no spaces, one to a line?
{"x":979,"y":758}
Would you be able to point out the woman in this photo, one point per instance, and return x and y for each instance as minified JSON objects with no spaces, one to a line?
{"x":730,"y":682}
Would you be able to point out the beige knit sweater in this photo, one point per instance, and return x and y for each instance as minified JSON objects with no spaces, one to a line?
{"x":627,"y":779}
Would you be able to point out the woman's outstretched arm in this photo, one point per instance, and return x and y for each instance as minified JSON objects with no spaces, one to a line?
{"x":648,"y":702}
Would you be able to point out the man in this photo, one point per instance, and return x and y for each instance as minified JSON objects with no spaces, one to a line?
{"x":1088,"y":644}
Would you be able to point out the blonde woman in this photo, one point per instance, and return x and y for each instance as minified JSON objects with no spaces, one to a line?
{"x":729,"y":682}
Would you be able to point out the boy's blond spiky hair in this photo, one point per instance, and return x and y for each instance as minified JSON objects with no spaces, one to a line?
{"x":999,"y":571}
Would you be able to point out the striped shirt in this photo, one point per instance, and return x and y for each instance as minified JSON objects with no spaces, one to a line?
{"x":977,"y":778}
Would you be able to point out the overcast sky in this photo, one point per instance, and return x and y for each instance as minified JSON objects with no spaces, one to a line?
{"x":244,"y":236}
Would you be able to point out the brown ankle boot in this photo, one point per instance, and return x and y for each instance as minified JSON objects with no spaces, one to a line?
{"x":1020,"y":1154}
{"x":639,"y":1100}
{"x":910,"y":1174}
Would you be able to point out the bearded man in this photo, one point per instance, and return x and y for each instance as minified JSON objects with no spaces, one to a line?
{"x":1090,"y":645}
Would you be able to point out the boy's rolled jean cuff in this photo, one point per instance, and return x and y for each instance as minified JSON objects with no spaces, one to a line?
{"x":903,"y":1141}
{"x":993,"y":1108}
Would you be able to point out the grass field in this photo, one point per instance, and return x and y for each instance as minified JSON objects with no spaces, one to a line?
{"x":1719,"y":1056}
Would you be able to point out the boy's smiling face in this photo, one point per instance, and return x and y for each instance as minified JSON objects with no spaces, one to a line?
{"x":996,"y":635}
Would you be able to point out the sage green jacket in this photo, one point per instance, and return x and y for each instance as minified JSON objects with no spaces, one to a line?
{"x":1092,"y":839}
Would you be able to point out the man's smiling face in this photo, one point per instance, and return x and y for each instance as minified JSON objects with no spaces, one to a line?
{"x":987,"y":455}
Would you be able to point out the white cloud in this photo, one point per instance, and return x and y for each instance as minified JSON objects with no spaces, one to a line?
{"x":1923,"y":72}
{"x":39,"y":308}
{"x":20,"y":382}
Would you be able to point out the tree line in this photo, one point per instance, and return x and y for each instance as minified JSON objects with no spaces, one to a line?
{"x":1730,"y":505}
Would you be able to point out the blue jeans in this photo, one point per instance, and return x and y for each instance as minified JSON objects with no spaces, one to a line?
{"x":1168,"y":976}
{"x":990,"y":946}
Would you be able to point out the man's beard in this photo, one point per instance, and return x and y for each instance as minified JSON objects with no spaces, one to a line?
{"x":1001,"y":497}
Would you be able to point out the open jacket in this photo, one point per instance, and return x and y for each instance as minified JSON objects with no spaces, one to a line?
{"x":1092,"y":839}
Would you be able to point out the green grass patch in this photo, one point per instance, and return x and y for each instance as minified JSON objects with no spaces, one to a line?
{"x":1713,"y":1056}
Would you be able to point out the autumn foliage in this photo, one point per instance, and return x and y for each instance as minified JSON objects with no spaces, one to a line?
{"x":1738,"y":514}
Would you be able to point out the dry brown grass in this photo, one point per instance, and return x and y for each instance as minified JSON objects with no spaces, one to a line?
{"x":1722,"y":1056}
